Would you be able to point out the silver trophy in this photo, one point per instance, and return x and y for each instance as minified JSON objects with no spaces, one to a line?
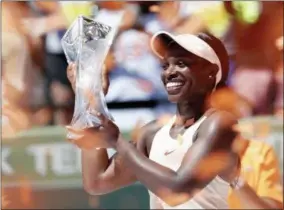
{"x":86,"y":43}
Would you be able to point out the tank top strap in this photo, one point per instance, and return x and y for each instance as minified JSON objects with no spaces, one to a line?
{"x":170,"y":123}
{"x":197,"y":124}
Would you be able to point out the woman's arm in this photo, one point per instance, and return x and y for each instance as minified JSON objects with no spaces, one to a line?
{"x":102,"y":175}
{"x":215,"y":136}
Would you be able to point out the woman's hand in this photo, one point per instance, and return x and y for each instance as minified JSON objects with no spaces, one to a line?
{"x":71,"y":75}
{"x":102,"y":136}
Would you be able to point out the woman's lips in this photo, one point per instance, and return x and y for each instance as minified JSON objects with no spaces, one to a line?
{"x":174,"y":87}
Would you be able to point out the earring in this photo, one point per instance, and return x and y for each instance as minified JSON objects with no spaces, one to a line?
{"x":210,"y":76}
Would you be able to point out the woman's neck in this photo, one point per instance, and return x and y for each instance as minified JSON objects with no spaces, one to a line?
{"x":189,"y":111}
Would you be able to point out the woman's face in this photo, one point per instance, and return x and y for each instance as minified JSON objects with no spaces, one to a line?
{"x":185,"y":75}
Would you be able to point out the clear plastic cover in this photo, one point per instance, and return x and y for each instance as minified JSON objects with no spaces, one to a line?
{"x":86,"y":43}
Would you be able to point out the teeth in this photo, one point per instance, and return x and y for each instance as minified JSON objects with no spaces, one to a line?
{"x":173,"y":84}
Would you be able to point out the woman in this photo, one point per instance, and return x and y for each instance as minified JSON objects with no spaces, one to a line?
{"x":189,"y":163}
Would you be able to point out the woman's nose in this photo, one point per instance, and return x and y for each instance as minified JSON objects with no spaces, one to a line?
{"x":171,"y":74}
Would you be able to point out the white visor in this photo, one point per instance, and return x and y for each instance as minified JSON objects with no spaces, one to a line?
{"x":190,"y":43}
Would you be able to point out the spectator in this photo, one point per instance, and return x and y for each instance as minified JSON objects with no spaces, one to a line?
{"x":132,"y":52}
{"x":20,"y":56}
{"x":256,"y":56}
{"x":268,"y":21}
{"x":162,"y":16}
{"x":14,"y":118}
{"x":21,"y":63}
{"x":54,"y":18}
{"x":120,"y":81}
{"x":131,"y":11}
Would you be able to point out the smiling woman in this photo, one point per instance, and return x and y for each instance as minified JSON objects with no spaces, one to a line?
{"x":198,"y":54}
{"x":193,"y":160}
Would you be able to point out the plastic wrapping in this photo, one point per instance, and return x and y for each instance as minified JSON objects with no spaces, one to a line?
{"x":86,"y":43}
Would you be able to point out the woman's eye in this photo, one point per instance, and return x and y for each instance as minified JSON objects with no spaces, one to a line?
{"x":181,"y":64}
{"x":165,"y":66}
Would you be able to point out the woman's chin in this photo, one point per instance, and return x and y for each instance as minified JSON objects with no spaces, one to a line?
{"x":174,"y":98}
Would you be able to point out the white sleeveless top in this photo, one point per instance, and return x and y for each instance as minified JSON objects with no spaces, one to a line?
{"x":213,"y":196}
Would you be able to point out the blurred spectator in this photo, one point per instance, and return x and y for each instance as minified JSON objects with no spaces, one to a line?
{"x":112,"y":5}
{"x":54,"y":18}
{"x":250,"y":19}
{"x":146,"y":13}
{"x":22,"y":80}
{"x":132,"y":52}
{"x":125,"y":85}
{"x":256,"y":84}
{"x":131,"y":11}
{"x":165,"y":16}
{"x":20,"y":56}
{"x":256,"y":56}
{"x":58,"y":89}
{"x":14,"y":118}
{"x":204,"y":16}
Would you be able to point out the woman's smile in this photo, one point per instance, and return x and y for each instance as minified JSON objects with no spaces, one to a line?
{"x":174,"y":86}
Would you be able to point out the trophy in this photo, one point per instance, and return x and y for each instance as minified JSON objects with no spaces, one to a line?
{"x":86,"y":43}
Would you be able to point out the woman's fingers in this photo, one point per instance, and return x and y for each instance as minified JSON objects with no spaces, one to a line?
{"x":71,"y":74}
{"x":71,"y":71}
{"x":75,"y":131}
{"x":105,"y":80}
{"x":71,"y":68}
{"x":101,"y":117}
{"x":87,"y":132}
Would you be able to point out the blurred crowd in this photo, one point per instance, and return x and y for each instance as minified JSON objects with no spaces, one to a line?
{"x":36,"y":91}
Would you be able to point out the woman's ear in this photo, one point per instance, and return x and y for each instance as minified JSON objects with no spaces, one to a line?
{"x":212,"y":70}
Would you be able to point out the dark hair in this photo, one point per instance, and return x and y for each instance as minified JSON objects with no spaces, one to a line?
{"x":221,"y":52}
